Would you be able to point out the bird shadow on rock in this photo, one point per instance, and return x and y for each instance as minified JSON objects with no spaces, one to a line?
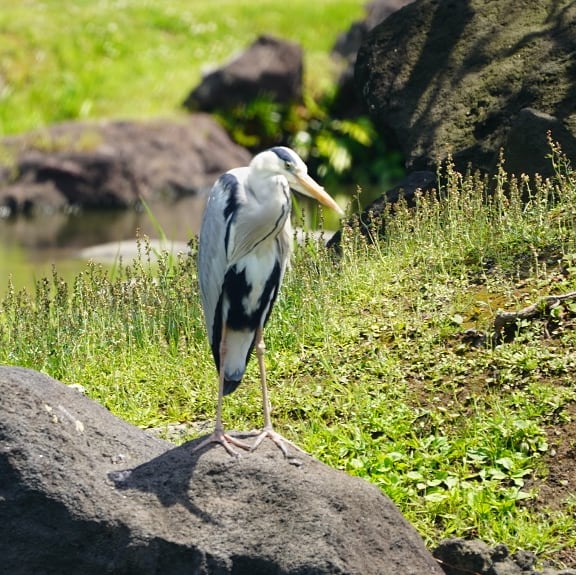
{"x":169,"y":477}
{"x":182,"y":476}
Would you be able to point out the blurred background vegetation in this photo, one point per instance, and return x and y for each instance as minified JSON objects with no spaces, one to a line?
{"x":131,"y":59}
{"x":90,"y":60}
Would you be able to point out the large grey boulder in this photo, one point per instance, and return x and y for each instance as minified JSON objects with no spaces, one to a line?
{"x":82,"y":492}
{"x":114,"y":164}
{"x":446,"y":76}
{"x":348,"y":43}
{"x":346,"y":102}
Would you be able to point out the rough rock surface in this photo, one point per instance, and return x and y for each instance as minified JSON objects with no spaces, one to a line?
{"x":461,"y":557}
{"x":527,"y":142}
{"x":346,"y":48}
{"x":269,"y":67}
{"x":348,"y":43}
{"x":114,"y":164}
{"x":82,"y":492}
{"x":451,"y":76}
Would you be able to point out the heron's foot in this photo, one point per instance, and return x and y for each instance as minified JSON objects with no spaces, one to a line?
{"x":224,"y":439}
{"x":278,"y":439}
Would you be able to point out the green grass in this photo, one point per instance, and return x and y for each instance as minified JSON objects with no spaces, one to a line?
{"x":134,"y":59}
{"x":368,"y":362}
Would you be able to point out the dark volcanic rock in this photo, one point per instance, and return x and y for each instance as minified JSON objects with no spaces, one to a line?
{"x":82,"y":492}
{"x":451,"y":76}
{"x":369,"y":222}
{"x":461,"y":557}
{"x":270,"y":67}
{"x":348,"y":43}
{"x":347,"y":103}
{"x":527,"y":142}
{"x":114,"y":164}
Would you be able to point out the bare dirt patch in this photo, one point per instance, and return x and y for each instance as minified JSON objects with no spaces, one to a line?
{"x":558,"y":488}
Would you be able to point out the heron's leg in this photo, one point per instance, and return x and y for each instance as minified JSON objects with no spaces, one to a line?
{"x":260,"y":351}
{"x":268,"y":430}
{"x":218,"y":425}
{"x":218,"y":435}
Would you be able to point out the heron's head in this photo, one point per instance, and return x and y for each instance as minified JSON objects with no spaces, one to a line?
{"x":286,"y":162}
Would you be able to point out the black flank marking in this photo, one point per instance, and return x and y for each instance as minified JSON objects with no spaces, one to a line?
{"x":236,"y":289}
{"x":230,"y":185}
{"x":270,"y":291}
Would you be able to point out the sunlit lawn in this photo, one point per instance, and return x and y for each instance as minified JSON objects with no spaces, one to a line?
{"x":62,"y":60}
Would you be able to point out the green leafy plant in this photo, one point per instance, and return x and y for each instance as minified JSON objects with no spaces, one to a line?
{"x":340,"y":151}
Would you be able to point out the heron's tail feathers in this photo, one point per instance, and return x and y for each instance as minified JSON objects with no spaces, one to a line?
{"x":239,"y":345}
{"x":230,"y":385}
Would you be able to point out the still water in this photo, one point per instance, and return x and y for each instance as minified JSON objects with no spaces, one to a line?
{"x":31,"y":247}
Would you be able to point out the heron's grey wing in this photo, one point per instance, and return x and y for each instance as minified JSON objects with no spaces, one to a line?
{"x":212,"y":259}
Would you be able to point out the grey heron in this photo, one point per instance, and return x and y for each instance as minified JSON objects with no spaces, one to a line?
{"x":245,"y":245}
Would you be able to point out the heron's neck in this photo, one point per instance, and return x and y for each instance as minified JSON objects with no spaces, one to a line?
{"x":269,"y":190}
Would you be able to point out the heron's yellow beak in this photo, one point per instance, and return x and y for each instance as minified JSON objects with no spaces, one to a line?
{"x":307,"y":186}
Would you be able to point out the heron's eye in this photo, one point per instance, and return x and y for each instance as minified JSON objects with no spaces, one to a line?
{"x":288,"y":165}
